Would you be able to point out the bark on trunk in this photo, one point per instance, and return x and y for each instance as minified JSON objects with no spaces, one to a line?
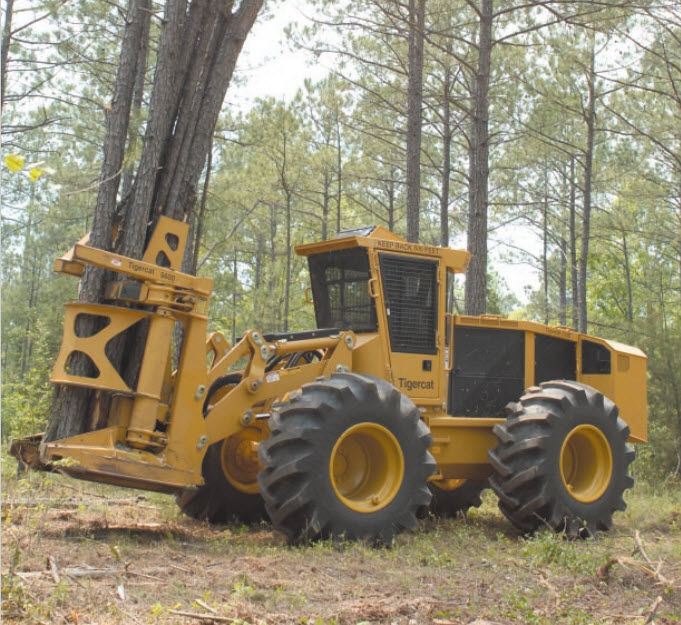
{"x":118,"y":120}
{"x":326,"y":197}
{"x":4,"y":50}
{"x":678,"y":218}
{"x":287,"y":282}
{"x":476,"y":277}
{"x":417,"y":10}
{"x":562,"y":275}
{"x":137,"y":97}
{"x":235,"y":272}
{"x":339,"y":182}
{"x":199,"y":222}
{"x":446,"y":162}
{"x":185,"y":104}
{"x":71,"y":405}
{"x":199,"y":44}
{"x":545,"y":248}
{"x":391,"y":202}
{"x":274,"y":313}
{"x":627,"y":276}
{"x":588,"y":173}
{"x":574,"y":277}
{"x":163,"y":109}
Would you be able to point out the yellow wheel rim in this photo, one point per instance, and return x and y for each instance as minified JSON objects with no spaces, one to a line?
{"x":586,"y":463}
{"x":239,"y":459}
{"x":366,"y":467}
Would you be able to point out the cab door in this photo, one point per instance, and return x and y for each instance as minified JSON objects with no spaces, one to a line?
{"x":410,"y":291}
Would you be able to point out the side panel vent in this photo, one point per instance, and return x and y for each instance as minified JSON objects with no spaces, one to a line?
{"x":554,"y":359}
{"x":489,"y":371}
{"x":410,"y":291}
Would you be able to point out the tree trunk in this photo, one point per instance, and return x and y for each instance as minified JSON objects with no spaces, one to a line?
{"x":118,"y":120}
{"x":562,"y":275}
{"x":185,"y":103}
{"x":627,"y":276}
{"x":199,"y":222}
{"x":287,"y":281}
{"x":4,"y":50}
{"x":137,"y":98}
{"x":32,"y":281}
{"x":417,"y":10}
{"x":339,"y":167}
{"x":588,"y":173}
{"x":478,"y":175}
{"x":199,"y":44}
{"x":446,"y":162}
{"x":326,"y":197}
{"x":71,"y":405}
{"x":678,"y":215}
{"x":163,"y":110}
{"x":545,"y":247}
{"x":274,"y":320}
{"x":234,"y":288}
{"x":391,"y":202}
{"x":574,"y":277}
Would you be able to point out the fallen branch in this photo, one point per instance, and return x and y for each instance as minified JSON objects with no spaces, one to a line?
{"x":151,"y":527}
{"x":205,"y":606}
{"x":68,"y":503}
{"x":652,"y":610}
{"x":639,"y":547}
{"x":54,"y":570}
{"x":27,"y":575}
{"x":204,"y":617}
{"x":93,"y":572}
{"x":83,"y":572}
{"x":653,"y":569}
{"x":179,"y":568}
{"x":603,"y":571}
{"x":543,"y":581}
{"x":144,"y":575}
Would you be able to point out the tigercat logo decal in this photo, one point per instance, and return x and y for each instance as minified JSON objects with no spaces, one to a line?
{"x":414,"y":385}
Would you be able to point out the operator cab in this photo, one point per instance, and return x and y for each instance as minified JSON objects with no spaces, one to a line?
{"x":387,"y":291}
{"x":340,"y":290}
{"x":347,"y":272}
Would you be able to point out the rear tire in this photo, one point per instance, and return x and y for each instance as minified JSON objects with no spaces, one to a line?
{"x":451,"y":502}
{"x":562,"y":460}
{"x":347,"y":458}
{"x":217,"y":500}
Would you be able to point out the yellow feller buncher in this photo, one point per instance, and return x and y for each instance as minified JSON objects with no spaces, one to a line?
{"x":395,"y":405}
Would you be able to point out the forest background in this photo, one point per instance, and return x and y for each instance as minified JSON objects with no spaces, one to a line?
{"x":580,"y":156}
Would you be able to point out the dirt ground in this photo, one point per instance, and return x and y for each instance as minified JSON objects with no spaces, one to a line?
{"x":74,"y":552}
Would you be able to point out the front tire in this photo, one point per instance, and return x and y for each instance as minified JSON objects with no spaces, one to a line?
{"x":562,"y":460}
{"x":347,"y":457}
{"x":230,"y":472}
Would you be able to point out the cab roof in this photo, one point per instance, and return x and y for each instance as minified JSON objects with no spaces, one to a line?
{"x":383,"y":240}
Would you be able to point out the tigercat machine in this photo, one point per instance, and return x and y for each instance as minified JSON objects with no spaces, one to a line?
{"x":392,"y":406}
